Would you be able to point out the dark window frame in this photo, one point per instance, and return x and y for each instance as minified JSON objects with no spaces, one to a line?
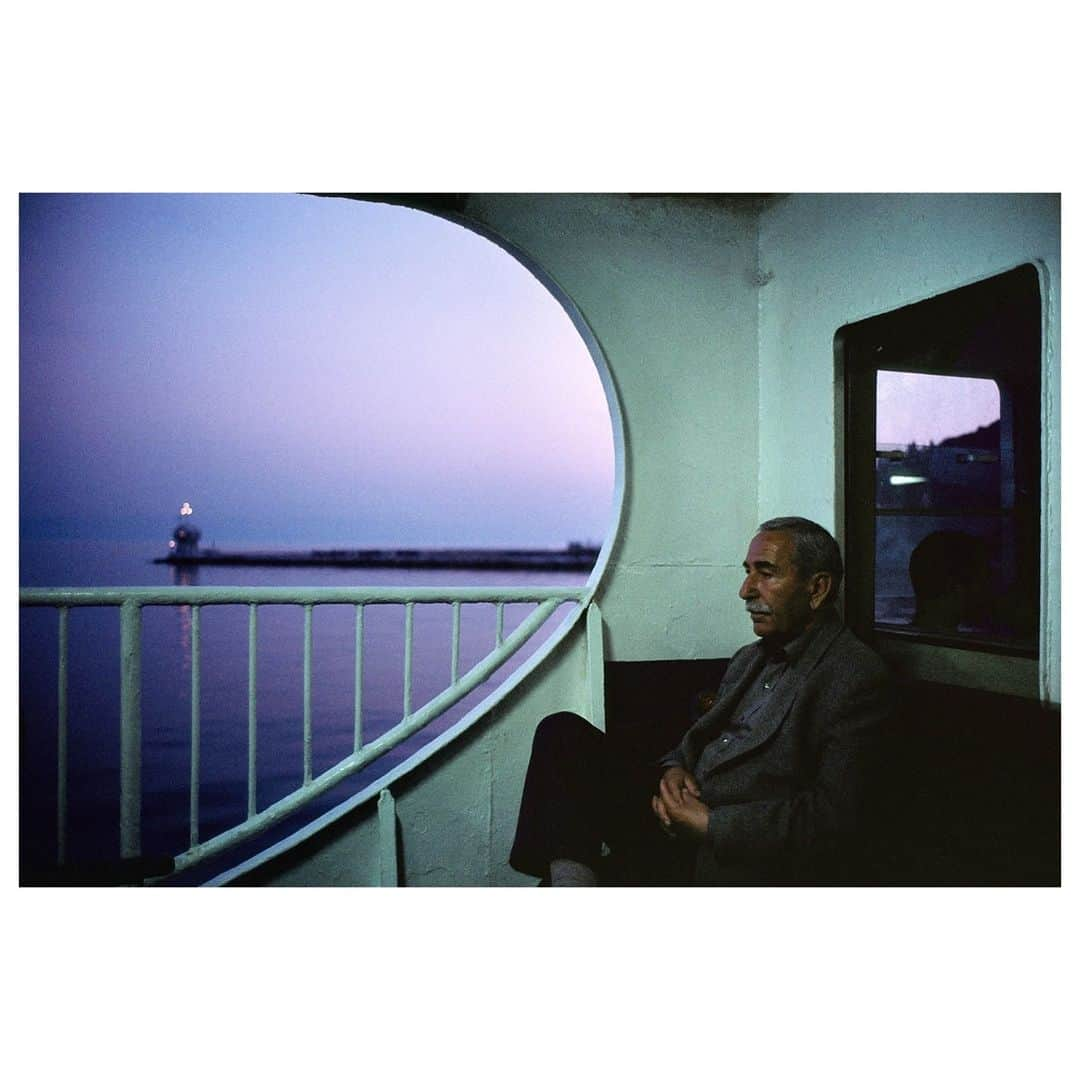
{"x":941,"y":336}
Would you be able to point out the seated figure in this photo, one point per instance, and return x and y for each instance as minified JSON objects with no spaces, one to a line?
{"x":769,"y":785}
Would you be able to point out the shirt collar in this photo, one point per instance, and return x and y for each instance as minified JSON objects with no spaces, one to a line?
{"x":796,"y":648}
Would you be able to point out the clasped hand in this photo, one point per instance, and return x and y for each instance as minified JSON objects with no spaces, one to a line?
{"x":678,"y":804}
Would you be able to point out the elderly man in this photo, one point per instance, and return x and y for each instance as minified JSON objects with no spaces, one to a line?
{"x":769,"y":785}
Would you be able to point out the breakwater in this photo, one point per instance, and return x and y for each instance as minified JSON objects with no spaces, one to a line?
{"x":572,"y":557}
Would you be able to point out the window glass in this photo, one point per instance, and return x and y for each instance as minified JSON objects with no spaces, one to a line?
{"x":944,"y":575}
{"x":945,"y":542}
{"x":942,"y":467}
{"x":938,"y":443}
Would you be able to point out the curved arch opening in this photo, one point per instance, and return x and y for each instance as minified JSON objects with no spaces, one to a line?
{"x":213,"y":382}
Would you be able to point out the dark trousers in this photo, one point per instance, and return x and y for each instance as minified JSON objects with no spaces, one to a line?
{"x":586,"y":792}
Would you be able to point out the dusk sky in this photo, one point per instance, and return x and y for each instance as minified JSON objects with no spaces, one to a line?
{"x":303,"y":371}
{"x":920,"y":409}
{"x":310,"y":371}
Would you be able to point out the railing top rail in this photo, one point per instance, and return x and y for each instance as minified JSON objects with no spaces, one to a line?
{"x":257,"y":594}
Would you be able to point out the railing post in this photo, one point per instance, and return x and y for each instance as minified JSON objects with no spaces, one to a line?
{"x":455,"y":641}
{"x":196,"y":707}
{"x":594,"y":648}
{"x":253,"y":637}
{"x":358,"y":676}
{"x":388,"y":866}
{"x":130,"y":729}
{"x":307,"y":693}
{"x":407,"y":703}
{"x":62,"y":739}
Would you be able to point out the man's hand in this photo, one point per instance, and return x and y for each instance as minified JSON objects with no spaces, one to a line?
{"x":677,"y":780}
{"x":678,"y":805}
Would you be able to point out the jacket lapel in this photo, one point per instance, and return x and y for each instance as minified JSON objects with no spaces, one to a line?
{"x":775,"y":710}
{"x":709,"y":724}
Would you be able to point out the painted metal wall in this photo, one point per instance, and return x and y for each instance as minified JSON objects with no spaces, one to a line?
{"x":668,"y":287}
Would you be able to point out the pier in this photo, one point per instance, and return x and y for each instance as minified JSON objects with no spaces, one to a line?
{"x":573,"y":557}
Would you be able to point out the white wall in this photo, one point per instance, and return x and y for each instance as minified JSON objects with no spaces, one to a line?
{"x":667,"y":286}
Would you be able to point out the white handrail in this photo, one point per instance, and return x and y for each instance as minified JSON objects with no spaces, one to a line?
{"x":132,"y":600}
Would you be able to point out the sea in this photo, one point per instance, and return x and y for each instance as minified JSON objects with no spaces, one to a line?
{"x":93,"y":799}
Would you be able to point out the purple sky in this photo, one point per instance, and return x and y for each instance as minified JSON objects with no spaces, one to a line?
{"x":304,"y":371}
{"x":920,"y":409}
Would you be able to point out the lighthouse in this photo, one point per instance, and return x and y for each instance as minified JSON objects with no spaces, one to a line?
{"x":185,"y":538}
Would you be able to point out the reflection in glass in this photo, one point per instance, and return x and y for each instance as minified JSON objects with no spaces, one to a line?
{"x":946,"y":545}
{"x":941,"y":573}
{"x":938,"y":442}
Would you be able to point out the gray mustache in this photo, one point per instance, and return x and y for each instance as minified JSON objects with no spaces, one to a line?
{"x":759,"y":609}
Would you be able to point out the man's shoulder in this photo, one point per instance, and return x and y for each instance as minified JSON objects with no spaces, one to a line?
{"x":852,"y":660}
{"x":849,"y":646}
{"x":844,"y":650}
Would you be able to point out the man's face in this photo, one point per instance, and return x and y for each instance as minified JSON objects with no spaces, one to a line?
{"x":777,"y":598}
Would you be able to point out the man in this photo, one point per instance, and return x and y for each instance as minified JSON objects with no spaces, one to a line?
{"x":770,"y":783}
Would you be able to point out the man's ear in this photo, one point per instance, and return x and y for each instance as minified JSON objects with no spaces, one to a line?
{"x":820,"y":589}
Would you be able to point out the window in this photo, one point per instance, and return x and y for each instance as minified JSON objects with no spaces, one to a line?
{"x":942,"y":467}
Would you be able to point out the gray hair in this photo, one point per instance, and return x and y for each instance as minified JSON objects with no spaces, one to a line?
{"x":815,"y":548}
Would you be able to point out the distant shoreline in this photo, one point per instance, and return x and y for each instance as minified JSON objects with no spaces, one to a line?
{"x":573,"y":557}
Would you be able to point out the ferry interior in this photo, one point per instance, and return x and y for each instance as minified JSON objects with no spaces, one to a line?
{"x":748,"y":346}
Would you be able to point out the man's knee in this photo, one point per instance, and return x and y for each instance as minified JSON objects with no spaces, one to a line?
{"x":564,"y":733}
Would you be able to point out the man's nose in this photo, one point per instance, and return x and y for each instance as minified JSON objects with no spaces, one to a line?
{"x":747,"y":590}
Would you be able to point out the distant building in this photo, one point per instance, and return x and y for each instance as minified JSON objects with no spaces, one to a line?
{"x":960,"y":473}
{"x":954,"y":487}
{"x":185,"y":537}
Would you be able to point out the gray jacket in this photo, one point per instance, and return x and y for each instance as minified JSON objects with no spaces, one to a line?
{"x":787,"y":802}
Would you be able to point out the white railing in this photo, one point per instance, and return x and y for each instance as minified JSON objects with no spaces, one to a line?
{"x":131,"y":602}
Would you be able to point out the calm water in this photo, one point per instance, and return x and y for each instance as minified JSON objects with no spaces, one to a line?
{"x":94,"y":692}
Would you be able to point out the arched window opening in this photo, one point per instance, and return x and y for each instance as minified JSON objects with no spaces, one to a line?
{"x":302,"y":376}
